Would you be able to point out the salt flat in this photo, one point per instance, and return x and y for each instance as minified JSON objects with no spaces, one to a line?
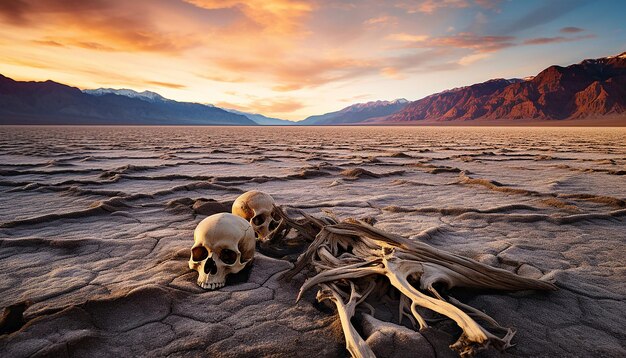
{"x":96,"y":225}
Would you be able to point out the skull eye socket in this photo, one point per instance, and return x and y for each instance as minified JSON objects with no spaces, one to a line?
{"x":228,"y":256}
{"x":199,"y":253}
{"x":258,"y":220}
{"x":273,"y":224}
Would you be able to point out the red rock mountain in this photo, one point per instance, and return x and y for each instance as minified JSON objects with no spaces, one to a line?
{"x":592,"y":88}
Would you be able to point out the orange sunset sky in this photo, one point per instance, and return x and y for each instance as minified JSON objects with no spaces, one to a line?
{"x":290,"y":58}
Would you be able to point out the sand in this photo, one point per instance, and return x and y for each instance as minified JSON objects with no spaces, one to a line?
{"x":96,"y":225}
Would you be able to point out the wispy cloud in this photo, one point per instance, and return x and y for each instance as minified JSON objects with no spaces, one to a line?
{"x":223,"y":78}
{"x":381,"y":20}
{"x":469,"y":59}
{"x":91,"y":45}
{"x":488,"y":4}
{"x":430,"y":6}
{"x":467,"y":40}
{"x":556,"y":39}
{"x":166,"y":84}
{"x":404,"y":37}
{"x":48,"y":43}
{"x":392,"y":72}
{"x":547,"y":12}
{"x":292,"y":74}
{"x":571,"y":30}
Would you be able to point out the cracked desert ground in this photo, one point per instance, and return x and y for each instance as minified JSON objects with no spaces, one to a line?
{"x":97,"y":223}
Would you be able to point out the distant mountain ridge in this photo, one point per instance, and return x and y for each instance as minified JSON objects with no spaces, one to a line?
{"x":261,"y":119}
{"x":591,"y":88}
{"x":50,"y":102}
{"x":145,"y":95}
{"x":356,"y":113}
{"x":155,"y":97}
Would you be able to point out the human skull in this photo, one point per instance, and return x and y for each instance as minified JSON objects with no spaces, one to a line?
{"x":257,"y":207}
{"x":223,"y":244}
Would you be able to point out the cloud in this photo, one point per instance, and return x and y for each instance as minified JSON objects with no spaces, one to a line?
{"x":92,"y":45}
{"x":223,"y":78}
{"x":488,"y":4}
{"x":128,"y":34}
{"x":166,"y":84}
{"x":469,"y":59}
{"x":571,"y":30}
{"x":430,"y":6}
{"x":24,"y":12}
{"x":546,"y":13}
{"x":262,"y":41}
{"x":273,"y":16}
{"x":48,"y":43}
{"x":292,"y":87}
{"x":422,"y":61}
{"x":467,"y":40}
{"x":30,"y":63}
{"x":294,"y":74}
{"x":474,"y":42}
{"x":444,"y":66}
{"x":381,"y":20}
{"x":557,"y":39}
{"x":545,"y":40}
{"x":404,"y":37}
{"x":392,"y":72}
{"x":108,"y":25}
{"x":14,"y":11}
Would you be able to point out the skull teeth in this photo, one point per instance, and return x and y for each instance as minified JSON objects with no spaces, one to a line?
{"x":210,"y":286}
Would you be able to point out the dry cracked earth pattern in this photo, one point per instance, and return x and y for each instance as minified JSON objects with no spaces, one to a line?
{"x":97,"y":222}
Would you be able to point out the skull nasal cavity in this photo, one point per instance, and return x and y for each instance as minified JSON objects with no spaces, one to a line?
{"x":210,"y":267}
{"x":258,"y":220}
{"x":228,"y":256}
{"x":199,"y":253}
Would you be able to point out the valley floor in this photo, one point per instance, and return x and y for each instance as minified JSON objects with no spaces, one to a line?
{"x":96,"y":224}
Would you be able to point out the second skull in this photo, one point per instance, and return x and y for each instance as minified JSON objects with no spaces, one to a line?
{"x":257,"y":207}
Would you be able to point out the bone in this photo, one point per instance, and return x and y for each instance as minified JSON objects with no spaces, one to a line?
{"x":352,"y":250}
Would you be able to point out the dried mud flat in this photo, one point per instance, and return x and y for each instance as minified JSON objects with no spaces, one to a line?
{"x":97,"y":222}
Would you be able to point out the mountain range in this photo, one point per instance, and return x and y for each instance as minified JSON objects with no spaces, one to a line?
{"x":145,"y":95}
{"x":54,"y":103}
{"x":357,"y":113}
{"x":590,"y":89}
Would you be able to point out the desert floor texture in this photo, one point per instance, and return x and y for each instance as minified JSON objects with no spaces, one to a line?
{"x":96,"y":224}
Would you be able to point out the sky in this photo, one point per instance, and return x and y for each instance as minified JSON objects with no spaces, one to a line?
{"x":293,"y":58}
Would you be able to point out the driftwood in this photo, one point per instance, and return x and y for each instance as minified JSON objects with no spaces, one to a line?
{"x":352,"y":259}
